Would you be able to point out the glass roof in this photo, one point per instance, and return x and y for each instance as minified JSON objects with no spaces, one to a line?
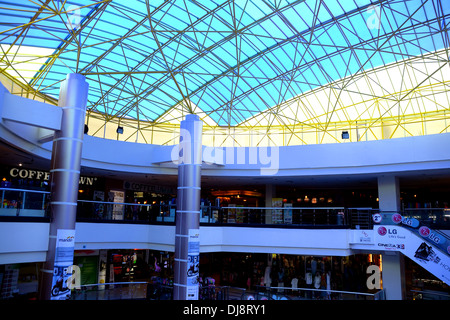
{"x":232,"y":62}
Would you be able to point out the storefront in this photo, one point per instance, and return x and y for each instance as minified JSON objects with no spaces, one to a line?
{"x":128,"y":265}
{"x":420,"y":284}
{"x":252,"y":270}
{"x":123,"y":265}
{"x":25,"y":191}
{"x":19,"y":281}
{"x":30,"y":189}
{"x":154,"y":202}
{"x":35,"y":179}
{"x":125,"y":200}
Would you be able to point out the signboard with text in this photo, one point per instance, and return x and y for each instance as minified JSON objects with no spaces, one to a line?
{"x":396,"y":238}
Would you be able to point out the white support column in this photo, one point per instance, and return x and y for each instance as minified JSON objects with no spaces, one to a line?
{"x":389,"y":193}
{"x":270,"y":193}
{"x":64,"y":177}
{"x":187,"y":242}
{"x":393,"y":262}
{"x":393,"y":275}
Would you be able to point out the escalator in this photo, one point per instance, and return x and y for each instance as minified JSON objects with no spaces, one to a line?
{"x":428,"y":248}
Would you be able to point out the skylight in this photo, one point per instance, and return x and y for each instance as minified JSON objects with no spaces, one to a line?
{"x":232,"y":62}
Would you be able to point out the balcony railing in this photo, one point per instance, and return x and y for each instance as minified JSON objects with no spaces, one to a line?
{"x":304,"y":216}
{"x":151,"y":291}
{"x":111,"y":291}
{"x":165,"y":213}
{"x":289,"y":293}
{"x":431,"y":217}
{"x":23,"y":203}
{"x":34,"y":203}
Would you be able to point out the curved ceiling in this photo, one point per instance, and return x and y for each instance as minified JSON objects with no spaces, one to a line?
{"x":241,"y":63}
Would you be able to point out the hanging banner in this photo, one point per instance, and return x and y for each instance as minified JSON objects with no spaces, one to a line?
{"x":413,"y":224}
{"x":433,"y":237}
{"x":396,"y":238}
{"x":193,"y":264}
{"x":65,"y":243}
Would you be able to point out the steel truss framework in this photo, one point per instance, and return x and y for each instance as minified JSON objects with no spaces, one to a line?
{"x":257,"y":72}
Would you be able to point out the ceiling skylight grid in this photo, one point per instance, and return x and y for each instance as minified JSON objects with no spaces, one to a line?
{"x":242,"y":63}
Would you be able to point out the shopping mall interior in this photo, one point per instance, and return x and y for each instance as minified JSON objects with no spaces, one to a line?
{"x":231,"y":150}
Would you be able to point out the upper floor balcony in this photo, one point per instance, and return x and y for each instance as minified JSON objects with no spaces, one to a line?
{"x":22,"y":204}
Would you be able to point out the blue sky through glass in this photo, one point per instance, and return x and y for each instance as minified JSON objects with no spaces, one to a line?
{"x":231,"y":59}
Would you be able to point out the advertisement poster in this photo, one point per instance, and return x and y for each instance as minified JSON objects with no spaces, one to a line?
{"x":391,"y":237}
{"x":239,"y":214}
{"x":65,"y":242}
{"x":277,"y":214}
{"x":231,"y":217}
{"x":288,"y":213}
{"x":119,"y":197}
{"x":99,"y":208}
{"x":193,"y":264}
{"x":102,"y":268}
{"x":414,"y":225}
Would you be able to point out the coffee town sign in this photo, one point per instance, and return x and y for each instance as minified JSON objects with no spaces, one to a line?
{"x":43,"y":175}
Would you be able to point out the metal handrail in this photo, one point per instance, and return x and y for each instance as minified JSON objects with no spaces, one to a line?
{"x":239,"y":293}
{"x":209,"y":213}
{"x":23,"y":206}
{"x":321,"y":290}
{"x":112,"y":283}
{"x":428,"y":293}
{"x":25,"y":190}
{"x":286,"y":208}
{"x":122,"y":203}
{"x":379,"y":295}
{"x":209,"y":216}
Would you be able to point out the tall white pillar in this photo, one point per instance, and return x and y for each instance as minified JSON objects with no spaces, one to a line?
{"x":393,"y":275}
{"x":389,"y":193}
{"x":393,"y":262}
{"x":64,"y":177}
{"x":270,"y":193}
{"x":187,"y":242}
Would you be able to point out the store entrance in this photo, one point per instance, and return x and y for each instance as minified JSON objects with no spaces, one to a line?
{"x":131,"y":265}
{"x":255,"y":270}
